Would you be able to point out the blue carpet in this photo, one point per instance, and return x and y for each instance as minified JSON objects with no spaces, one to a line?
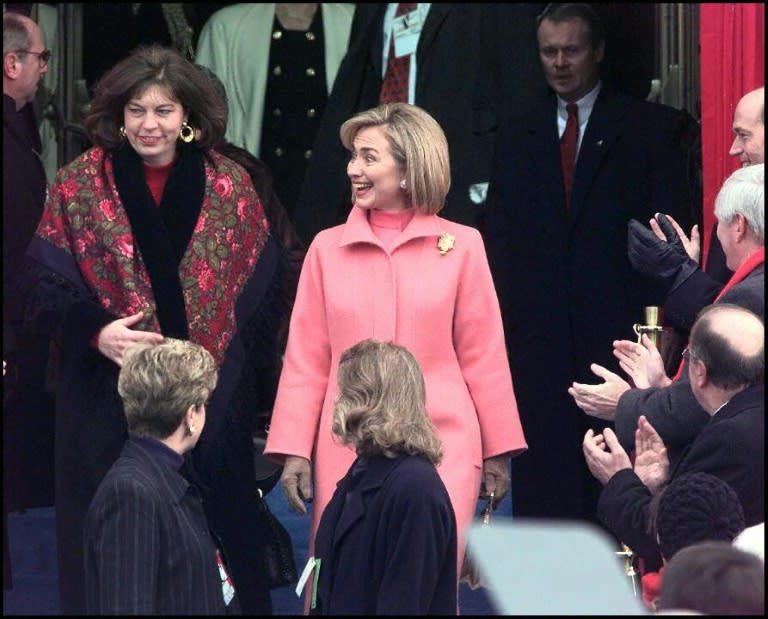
{"x":32,"y":545}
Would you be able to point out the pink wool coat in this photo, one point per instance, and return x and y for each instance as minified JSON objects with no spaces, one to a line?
{"x":443,"y":308}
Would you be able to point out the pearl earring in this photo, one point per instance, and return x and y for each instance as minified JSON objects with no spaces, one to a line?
{"x":402,"y":184}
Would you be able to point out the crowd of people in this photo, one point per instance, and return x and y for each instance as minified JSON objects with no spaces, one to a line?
{"x":406,"y":280}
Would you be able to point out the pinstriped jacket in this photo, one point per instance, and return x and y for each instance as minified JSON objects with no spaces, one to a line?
{"x":148,"y":548}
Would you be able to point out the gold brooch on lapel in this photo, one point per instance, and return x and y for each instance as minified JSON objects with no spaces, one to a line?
{"x":445,"y":243}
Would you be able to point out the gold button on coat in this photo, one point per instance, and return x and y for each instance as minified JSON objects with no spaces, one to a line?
{"x":278,"y":70}
{"x":310,"y":72}
{"x":277,"y":34}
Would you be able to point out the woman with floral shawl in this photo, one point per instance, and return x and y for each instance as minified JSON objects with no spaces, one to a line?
{"x":151,"y":234}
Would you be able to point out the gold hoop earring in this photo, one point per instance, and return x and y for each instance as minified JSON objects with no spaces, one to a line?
{"x":121,"y":131}
{"x":186,"y":133}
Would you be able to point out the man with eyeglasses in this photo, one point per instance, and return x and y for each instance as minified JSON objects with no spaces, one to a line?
{"x":672,"y":409}
{"x":726,"y":373}
{"x":27,"y":408}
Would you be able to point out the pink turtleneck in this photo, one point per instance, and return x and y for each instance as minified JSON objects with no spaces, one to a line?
{"x":387,"y":225}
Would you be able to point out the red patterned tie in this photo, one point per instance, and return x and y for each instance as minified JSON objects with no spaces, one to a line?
{"x":394,"y":87}
{"x":568,"y":146}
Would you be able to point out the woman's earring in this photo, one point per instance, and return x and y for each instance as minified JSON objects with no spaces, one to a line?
{"x":121,"y":131}
{"x":402,"y":184}
{"x":186,"y":133}
{"x":191,"y":428}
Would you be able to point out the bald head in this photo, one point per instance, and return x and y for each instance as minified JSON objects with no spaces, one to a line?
{"x":23,"y":46}
{"x":749,"y":128}
{"x":729,"y":341}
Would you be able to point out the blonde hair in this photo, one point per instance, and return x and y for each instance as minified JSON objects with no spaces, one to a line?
{"x":418,"y":145}
{"x":158,"y":383}
{"x":381,"y":405}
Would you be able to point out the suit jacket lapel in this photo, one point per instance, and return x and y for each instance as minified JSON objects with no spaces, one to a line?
{"x":435,"y":17}
{"x":543,"y":146}
{"x":604,"y":126}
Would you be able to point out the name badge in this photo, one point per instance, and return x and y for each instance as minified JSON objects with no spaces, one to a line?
{"x":406,"y":30}
{"x":305,"y":575}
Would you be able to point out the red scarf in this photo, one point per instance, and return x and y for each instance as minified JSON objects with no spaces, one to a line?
{"x":651,"y":587}
{"x":749,"y":265}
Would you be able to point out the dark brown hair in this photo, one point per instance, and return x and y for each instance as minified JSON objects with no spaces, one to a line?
{"x":166,"y":68}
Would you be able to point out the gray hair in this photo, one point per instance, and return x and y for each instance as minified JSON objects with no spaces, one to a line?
{"x":15,"y":32}
{"x":743,"y":193}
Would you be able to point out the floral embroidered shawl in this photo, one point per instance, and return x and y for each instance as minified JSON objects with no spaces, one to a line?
{"x":87,"y":221}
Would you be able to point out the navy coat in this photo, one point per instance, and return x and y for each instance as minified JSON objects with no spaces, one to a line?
{"x":565,"y":284}
{"x":731,"y":446}
{"x":387,"y":542}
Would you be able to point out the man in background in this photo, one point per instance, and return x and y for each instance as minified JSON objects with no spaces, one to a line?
{"x":27,"y":407}
{"x":568,"y":175}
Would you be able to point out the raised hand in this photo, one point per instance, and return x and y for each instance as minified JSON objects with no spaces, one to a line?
{"x":642,"y":362}
{"x":599,"y":400}
{"x":604,"y":455}
{"x":651,"y":459}
{"x":667,"y":229}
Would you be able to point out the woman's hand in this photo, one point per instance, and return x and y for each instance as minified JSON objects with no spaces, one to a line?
{"x":297,"y":482}
{"x":496,"y":477}
{"x":117,"y":336}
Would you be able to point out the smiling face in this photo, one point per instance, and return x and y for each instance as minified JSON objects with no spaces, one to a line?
{"x":374,"y":173}
{"x":571,"y":64}
{"x":748,"y":128}
{"x":152,"y":123}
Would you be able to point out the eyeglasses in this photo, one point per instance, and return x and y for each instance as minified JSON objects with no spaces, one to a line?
{"x":688,"y":354}
{"x":42,"y":57}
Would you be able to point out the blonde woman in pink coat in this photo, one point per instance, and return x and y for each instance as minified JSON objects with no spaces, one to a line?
{"x":397,"y":272}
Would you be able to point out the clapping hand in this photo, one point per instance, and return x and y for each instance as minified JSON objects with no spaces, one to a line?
{"x":642,"y":362}
{"x":651,"y":460}
{"x":599,"y":400}
{"x":667,"y":229}
{"x":604,"y":455}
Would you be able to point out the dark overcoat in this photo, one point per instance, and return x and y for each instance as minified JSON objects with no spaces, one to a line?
{"x":387,"y":542}
{"x":189,"y":285}
{"x":470,"y":58}
{"x":565,"y":284}
{"x":673,"y":410}
{"x":731,"y":446}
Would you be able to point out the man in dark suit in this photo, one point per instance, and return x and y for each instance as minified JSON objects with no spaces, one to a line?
{"x":556,"y":238}
{"x":726,"y":370}
{"x":28,"y":411}
{"x":467,"y":60}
